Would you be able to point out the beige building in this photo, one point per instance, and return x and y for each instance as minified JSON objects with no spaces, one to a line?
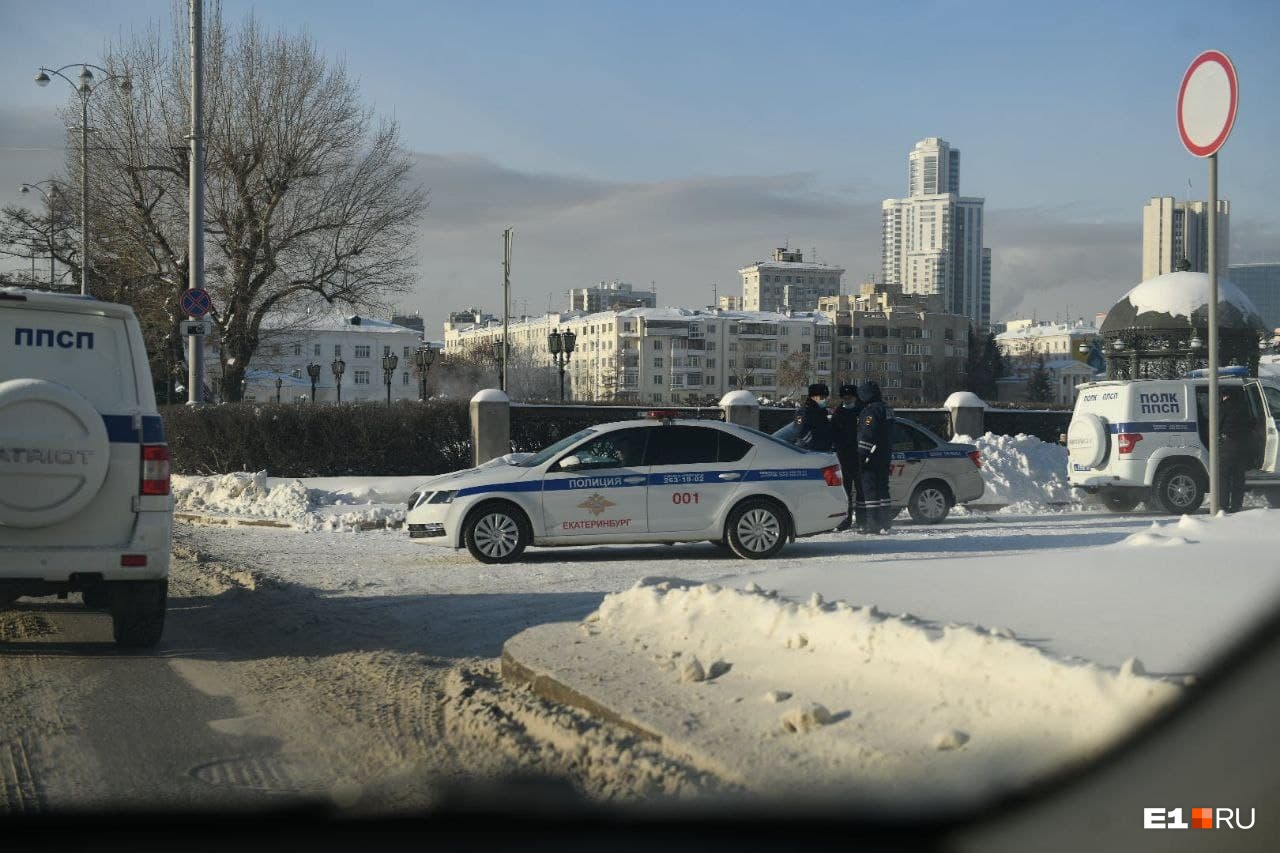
{"x":610,"y":296}
{"x":915,"y":351}
{"x":1173,"y":230}
{"x":787,"y":282}
{"x":1027,"y":339}
{"x":669,"y":355}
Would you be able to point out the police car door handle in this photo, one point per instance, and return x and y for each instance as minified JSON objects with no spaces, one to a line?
{"x":730,"y":475}
{"x":633,"y":481}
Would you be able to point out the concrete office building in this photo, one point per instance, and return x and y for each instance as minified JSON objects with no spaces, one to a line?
{"x":787,"y":282}
{"x":1173,"y":230}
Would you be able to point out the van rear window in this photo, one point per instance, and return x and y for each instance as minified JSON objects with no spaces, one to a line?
{"x":85,"y":352}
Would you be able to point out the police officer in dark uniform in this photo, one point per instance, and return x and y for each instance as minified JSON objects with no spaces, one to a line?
{"x":1238,"y":446}
{"x":875,"y":444}
{"x":844,"y":423}
{"x":814,"y":424}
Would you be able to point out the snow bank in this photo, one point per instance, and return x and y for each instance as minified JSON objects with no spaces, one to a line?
{"x":826,"y":697}
{"x":321,"y":503}
{"x":1022,"y":471}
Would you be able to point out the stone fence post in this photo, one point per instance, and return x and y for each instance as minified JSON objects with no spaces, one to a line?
{"x":968,"y":414}
{"x":490,"y":425}
{"x":741,"y":407}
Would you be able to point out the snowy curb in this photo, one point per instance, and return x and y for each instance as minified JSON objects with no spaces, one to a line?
{"x":250,"y":521}
{"x":779,"y":697}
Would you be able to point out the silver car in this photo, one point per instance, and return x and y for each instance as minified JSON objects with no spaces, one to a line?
{"x":927,"y":474}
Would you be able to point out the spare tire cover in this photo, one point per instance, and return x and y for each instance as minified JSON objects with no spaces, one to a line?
{"x":1087,"y":440}
{"x":54,"y":453}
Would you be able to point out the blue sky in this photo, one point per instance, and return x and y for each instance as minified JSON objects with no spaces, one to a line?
{"x":669,"y":119}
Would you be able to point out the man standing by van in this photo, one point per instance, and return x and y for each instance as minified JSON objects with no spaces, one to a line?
{"x":1238,"y":443}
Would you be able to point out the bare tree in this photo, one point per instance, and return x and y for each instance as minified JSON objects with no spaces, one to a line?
{"x":794,"y":373}
{"x":307,"y":197}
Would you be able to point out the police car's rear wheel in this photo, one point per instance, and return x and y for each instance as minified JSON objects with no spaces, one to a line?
{"x":137,"y":612}
{"x":1177,"y":489}
{"x":496,"y":533}
{"x":930,"y":502}
{"x":757,"y":529}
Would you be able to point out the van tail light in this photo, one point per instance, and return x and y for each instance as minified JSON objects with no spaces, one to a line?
{"x":1126,"y":441}
{"x":831,"y":475}
{"x":155,"y":469}
{"x":975,"y":456}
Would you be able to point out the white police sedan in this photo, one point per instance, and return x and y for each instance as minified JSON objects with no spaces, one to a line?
{"x":654,"y":479}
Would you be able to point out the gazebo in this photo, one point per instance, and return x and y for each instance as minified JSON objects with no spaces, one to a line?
{"x":1160,"y":329}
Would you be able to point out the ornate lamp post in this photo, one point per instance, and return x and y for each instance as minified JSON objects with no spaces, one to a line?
{"x":423,"y":358}
{"x":313,"y":370}
{"x":338,"y":367}
{"x":561,"y":345}
{"x":389,"y":362}
{"x":84,"y":89}
{"x":48,"y":200}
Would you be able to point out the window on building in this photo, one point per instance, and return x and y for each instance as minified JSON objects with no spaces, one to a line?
{"x":711,"y":328}
{"x":733,"y":329}
{"x":317,"y":350}
{"x":362,"y":377}
{"x":657,"y":344}
{"x":805,"y":348}
{"x":711,"y":346}
{"x":657,"y":379}
{"x":711,"y":363}
{"x":405,"y":380}
{"x":275,"y":349}
{"x":362,"y":352}
{"x":337,"y":350}
{"x":297,"y":349}
{"x":657,"y":361}
{"x":406,"y":351}
{"x":386,"y":351}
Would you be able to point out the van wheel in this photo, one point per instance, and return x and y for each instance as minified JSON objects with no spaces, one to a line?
{"x":96,"y":598}
{"x":1177,"y":489}
{"x":496,"y":532}
{"x":1118,"y":501}
{"x":137,"y":612}
{"x":756,"y":529}
{"x":930,"y":502}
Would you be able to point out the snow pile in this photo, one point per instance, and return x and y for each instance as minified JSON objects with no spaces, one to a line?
{"x":320,"y":503}
{"x":1021,"y":471}
{"x":1154,"y":537}
{"x":821,"y":697}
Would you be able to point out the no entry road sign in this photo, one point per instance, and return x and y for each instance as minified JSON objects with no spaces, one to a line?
{"x":1207,"y":103}
{"x":196,"y":302}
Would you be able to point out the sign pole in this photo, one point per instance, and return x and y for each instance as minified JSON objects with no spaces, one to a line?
{"x":1215,"y":406}
{"x":195,"y":203}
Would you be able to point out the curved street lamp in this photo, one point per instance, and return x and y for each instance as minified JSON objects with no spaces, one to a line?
{"x":338,"y":367}
{"x":423,"y":357}
{"x":86,"y":86}
{"x":48,"y":197}
{"x":389,"y":362}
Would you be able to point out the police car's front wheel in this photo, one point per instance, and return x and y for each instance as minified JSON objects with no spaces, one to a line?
{"x":757,"y":529}
{"x":496,"y":533}
{"x":930,"y":502}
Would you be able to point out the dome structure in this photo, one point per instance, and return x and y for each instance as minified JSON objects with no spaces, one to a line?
{"x":1160,"y":329}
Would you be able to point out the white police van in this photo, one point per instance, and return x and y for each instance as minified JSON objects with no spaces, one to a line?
{"x":84,"y":469}
{"x":655,"y":479}
{"x":1140,"y":440}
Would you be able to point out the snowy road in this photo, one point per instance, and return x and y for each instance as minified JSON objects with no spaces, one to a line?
{"x":359,"y":666}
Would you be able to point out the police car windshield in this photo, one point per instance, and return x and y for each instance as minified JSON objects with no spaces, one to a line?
{"x":545,"y":454}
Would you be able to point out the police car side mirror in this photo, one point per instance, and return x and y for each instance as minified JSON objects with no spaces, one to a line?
{"x":570,"y":463}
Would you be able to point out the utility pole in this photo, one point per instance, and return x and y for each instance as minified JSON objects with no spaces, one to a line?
{"x":506,"y":305}
{"x":195,"y":201}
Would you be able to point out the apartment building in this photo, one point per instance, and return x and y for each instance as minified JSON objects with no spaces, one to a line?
{"x":610,"y":296}
{"x":669,"y":355}
{"x":1028,"y":339}
{"x":787,"y":282}
{"x":906,"y":343}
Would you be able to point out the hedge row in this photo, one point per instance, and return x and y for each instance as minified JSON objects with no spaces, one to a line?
{"x":319,"y":441}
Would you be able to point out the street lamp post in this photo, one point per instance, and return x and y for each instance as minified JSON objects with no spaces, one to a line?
{"x":84,"y":89}
{"x":423,"y":358}
{"x":313,"y":370}
{"x":389,"y":362}
{"x":561,"y":346}
{"x":338,"y":367}
{"x":500,"y":356}
{"x":48,"y":200}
